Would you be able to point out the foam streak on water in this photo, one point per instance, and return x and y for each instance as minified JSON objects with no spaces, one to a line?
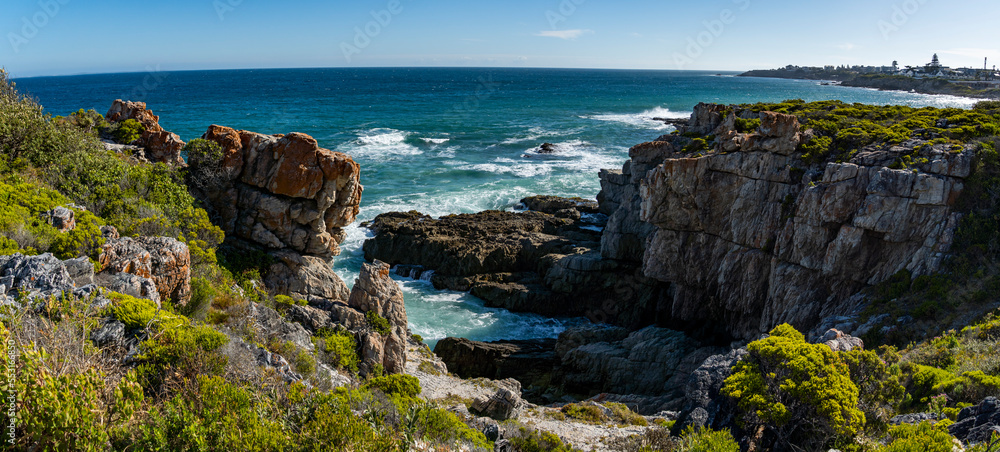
{"x":430,"y":140}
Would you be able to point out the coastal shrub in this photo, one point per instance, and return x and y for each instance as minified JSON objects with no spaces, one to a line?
{"x":70,"y":411}
{"x":622,"y":415}
{"x":747,"y":125}
{"x":696,"y":145}
{"x":923,"y":437}
{"x":880,"y":390}
{"x":127,"y":131}
{"x":586,"y":412}
{"x":378,"y":323}
{"x":89,"y":121}
{"x":22,"y":206}
{"x":329,"y":422}
{"x":206,"y":171}
{"x":214,"y":415}
{"x":706,"y":440}
{"x":403,"y":385}
{"x":441,"y":426}
{"x":970,"y":387}
{"x":340,"y":348}
{"x":816,"y":149}
{"x":800,"y":392}
{"x":526,"y":439}
{"x":923,"y":380}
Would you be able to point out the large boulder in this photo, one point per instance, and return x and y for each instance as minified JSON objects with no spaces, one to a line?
{"x":160,"y":145}
{"x":704,"y":406}
{"x":165,"y":261}
{"x":527,"y":361}
{"x":61,"y":218}
{"x":978,"y":423}
{"x":279,"y":192}
{"x":375,"y":292}
{"x":39,"y":276}
{"x":309,"y":278}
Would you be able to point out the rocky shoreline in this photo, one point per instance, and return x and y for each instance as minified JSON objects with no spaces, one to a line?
{"x":884,"y":83}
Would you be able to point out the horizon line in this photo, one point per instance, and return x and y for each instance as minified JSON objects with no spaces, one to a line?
{"x":77,"y":74}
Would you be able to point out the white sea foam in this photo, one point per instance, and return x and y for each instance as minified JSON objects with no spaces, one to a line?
{"x":642,"y":120}
{"x":510,"y":166}
{"x":380,"y":143}
{"x":435,"y":140}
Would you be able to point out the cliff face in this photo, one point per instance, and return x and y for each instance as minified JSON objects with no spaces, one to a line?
{"x":284,"y":194}
{"x":747,"y":240}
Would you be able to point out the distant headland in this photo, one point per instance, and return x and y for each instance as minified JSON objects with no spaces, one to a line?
{"x":930,"y":78}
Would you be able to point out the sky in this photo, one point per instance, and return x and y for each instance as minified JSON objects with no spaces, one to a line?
{"x":61,"y":37}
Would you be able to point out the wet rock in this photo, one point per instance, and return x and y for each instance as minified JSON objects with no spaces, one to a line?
{"x":547,"y":148}
{"x":554,"y":204}
{"x":527,"y":361}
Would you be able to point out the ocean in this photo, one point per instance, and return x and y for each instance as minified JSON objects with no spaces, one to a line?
{"x":444,"y":141}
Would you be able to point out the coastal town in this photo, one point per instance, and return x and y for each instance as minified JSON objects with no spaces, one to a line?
{"x":933,"y":69}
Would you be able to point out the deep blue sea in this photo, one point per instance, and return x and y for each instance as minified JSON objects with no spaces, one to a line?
{"x":447,"y":140}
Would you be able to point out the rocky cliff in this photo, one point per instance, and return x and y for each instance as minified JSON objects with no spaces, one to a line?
{"x":286,"y":195}
{"x":748,"y":236}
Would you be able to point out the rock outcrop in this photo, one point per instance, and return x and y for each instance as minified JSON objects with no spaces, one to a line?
{"x":165,"y":261}
{"x":529,"y":261}
{"x":279,"y":192}
{"x":527,"y":361}
{"x":375,"y":292}
{"x":745,"y":235}
{"x":286,"y":195}
{"x":978,"y":423}
{"x":160,"y":145}
{"x":61,"y":218}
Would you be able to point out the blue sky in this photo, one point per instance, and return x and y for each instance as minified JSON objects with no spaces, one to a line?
{"x":55,"y":37}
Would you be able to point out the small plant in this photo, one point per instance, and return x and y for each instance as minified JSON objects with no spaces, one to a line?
{"x":378,"y":323}
{"x":127,"y":131}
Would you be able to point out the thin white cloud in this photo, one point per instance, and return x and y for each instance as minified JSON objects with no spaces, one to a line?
{"x":848,"y":46}
{"x":563,"y":34}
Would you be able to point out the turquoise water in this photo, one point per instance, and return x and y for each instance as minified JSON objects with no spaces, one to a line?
{"x":448,"y":140}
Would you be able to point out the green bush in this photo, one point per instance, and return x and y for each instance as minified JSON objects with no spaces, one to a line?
{"x":801,"y":392}
{"x":924,"y":437}
{"x":444,"y":427}
{"x":21,"y":208}
{"x":696,"y":145}
{"x":127,"y":131}
{"x":622,"y":415}
{"x":71,"y":411}
{"x":705,"y":440}
{"x":341,"y":349}
{"x":215,"y":415}
{"x":970,"y":387}
{"x":403,"y":385}
{"x":378,"y":323}
{"x":923,"y":380}
{"x":586,"y":412}
{"x":747,"y":125}
{"x":531,"y":440}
